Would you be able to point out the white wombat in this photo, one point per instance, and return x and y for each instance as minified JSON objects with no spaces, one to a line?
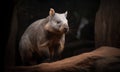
{"x":44,"y":39}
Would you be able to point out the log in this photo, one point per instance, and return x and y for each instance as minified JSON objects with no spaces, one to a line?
{"x":101,"y":59}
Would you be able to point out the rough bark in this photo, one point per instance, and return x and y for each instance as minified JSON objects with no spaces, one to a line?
{"x":9,"y":59}
{"x":107,"y":23}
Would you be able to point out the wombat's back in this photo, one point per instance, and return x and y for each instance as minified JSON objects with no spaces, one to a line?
{"x":35,"y":30}
{"x":33,"y":35}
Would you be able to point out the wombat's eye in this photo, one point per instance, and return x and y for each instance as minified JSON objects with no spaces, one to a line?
{"x":58,"y":22}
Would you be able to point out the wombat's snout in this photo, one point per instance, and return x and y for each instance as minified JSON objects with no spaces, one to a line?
{"x":66,"y":29}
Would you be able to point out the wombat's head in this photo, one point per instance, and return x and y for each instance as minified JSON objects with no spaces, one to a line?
{"x":57,"y":22}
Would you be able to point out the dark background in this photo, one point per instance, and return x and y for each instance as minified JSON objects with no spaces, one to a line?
{"x":102,"y":28}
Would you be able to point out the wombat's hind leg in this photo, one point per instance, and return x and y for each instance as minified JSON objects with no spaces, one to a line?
{"x":43,"y":56}
{"x":28,"y":59}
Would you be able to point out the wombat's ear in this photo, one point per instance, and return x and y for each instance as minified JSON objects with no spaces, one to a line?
{"x":66,"y":13}
{"x":52,"y":12}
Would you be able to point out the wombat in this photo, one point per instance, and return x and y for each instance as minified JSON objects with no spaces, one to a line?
{"x":44,"y":39}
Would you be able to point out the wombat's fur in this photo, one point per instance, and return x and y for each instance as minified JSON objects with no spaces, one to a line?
{"x":44,"y":39}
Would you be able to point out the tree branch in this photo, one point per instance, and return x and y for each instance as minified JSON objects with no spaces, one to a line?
{"x":96,"y":61}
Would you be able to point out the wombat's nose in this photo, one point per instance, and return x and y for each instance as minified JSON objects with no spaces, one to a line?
{"x":66,"y":30}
